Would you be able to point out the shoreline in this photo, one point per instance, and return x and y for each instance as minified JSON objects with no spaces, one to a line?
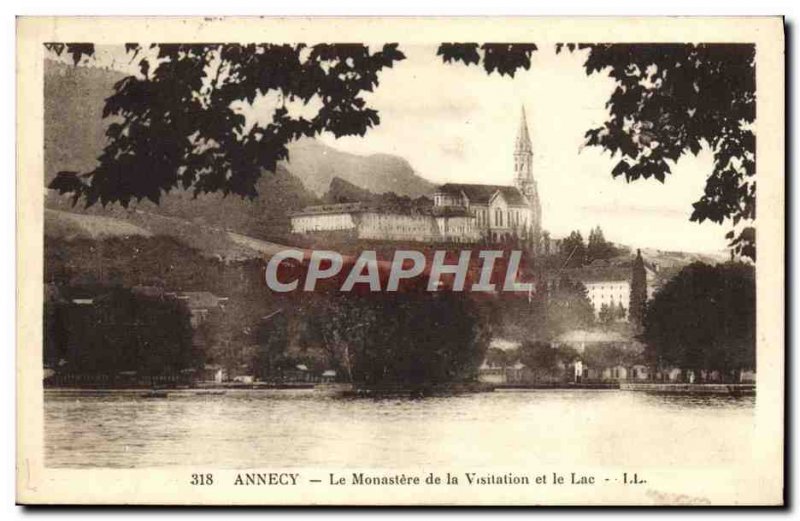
{"x":349,"y":390}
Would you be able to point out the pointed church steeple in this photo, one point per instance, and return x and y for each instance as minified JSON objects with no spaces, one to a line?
{"x":523,"y":159}
{"x":523,"y":138}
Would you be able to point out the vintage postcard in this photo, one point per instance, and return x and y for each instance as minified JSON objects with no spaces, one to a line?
{"x":400,"y":261}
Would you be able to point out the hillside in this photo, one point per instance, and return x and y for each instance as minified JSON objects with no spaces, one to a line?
{"x":207,"y":241}
{"x":71,"y":226}
{"x":265,"y":217}
{"x":678,"y":259}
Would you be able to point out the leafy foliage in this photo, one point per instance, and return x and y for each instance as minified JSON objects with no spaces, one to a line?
{"x":176,"y":123}
{"x":77,"y":50}
{"x":744,"y":243}
{"x":503,"y":58}
{"x":704,"y":319}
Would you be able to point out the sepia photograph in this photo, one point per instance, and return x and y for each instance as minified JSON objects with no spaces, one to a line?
{"x":400,"y":261}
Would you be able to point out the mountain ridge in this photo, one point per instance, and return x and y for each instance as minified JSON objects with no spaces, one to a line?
{"x":317,"y":164}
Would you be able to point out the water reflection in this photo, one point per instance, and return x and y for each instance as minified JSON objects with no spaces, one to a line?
{"x":247,"y":429}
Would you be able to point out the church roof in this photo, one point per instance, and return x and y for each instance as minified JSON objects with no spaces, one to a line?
{"x":482,"y":194}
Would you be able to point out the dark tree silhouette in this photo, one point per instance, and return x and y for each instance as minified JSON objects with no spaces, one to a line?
{"x":118,"y":331}
{"x":400,"y":338}
{"x":638,"y":297}
{"x":610,"y":313}
{"x":573,"y":250}
{"x":598,"y":247}
{"x":704,"y":319}
{"x":272,"y":337}
{"x":504,"y":58}
{"x":545,"y":362}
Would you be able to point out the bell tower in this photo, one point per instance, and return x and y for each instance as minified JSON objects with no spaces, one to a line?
{"x":523,"y":174}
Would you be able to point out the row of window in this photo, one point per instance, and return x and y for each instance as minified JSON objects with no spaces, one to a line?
{"x":592,"y":299}
{"x":502,"y":219}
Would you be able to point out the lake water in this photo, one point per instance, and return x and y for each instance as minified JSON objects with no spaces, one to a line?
{"x":308,"y":428}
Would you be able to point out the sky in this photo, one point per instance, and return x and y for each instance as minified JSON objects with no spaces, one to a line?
{"x":455,"y":123}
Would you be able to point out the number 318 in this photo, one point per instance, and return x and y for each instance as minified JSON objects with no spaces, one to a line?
{"x":202,"y":479}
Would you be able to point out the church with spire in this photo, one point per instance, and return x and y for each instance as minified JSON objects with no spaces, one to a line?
{"x":461,"y":213}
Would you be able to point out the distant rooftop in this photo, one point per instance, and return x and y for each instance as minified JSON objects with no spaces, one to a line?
{"x":597,"y":273}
